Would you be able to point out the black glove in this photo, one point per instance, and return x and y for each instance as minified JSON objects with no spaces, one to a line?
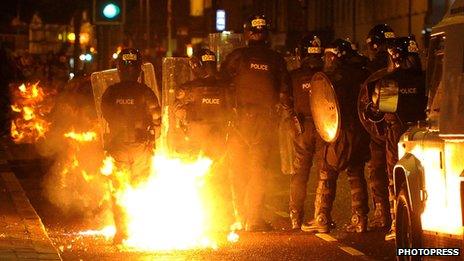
{"x":372,"y":114}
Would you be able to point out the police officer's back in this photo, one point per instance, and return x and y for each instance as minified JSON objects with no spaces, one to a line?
{"x":130,"y":108}
{"x":260,"y":83}
{"x":348,"y":152}
{"x":377,"y":40}
{"x":258,"y":73}
{"x":307,"y":144}
{"x":133,"y":115}
{"x":202,"y":105}
{"x":405,"y":74}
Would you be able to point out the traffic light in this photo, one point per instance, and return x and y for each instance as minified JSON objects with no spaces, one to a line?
{"x":109,"y":12}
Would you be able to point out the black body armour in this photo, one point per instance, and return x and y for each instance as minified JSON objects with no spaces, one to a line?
{"x":380,"y":61}
{"x":412,"y":100}
{"x":205,"y":101}
{"x":127,"y":106}
{"x":301,"y":83}
{"x":257,"y":74}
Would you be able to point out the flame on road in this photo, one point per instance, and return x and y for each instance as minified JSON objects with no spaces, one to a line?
{"x":172,"y":209}
{"x":81,"y":136}
{"x":30,"y":105}
{"x":168,"y":210}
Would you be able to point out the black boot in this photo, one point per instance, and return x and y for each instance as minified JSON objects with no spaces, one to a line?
{"x":391,"y":235}
{"x":321,"y":224}
{"x":358,"y":224}
{"x":325,"y":195}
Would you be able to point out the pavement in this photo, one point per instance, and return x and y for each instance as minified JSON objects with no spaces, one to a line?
{"x":22,"y":233}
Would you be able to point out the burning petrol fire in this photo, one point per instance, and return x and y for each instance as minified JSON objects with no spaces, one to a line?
{"x":31,"y":106}
{"x":172,"y":208}
{"x":82,"y":137}
{"x":168,"y":210}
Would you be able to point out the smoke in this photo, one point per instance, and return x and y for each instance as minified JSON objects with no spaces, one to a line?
{"x":74,"y":183}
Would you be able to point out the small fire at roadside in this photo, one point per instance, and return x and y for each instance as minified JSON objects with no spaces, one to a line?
{"x":31,"y":104}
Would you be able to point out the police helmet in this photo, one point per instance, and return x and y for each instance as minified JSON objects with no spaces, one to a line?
{"x":256,"y":28}
{"x":129,"y":64}
{"x":379,"y":35}
{"x":257,"y":24}
{"x":203,"y":63}
{"x":310,"y":45}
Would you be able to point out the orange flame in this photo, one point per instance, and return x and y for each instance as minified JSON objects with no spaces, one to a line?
{"x":31,"y":108}
{"x":82,"y":137}
{"x":442,"y":211}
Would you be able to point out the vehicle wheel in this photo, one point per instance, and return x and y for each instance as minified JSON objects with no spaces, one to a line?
{"x":408,"y":225}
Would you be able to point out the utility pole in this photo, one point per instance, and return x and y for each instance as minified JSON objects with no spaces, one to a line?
{"x":354,"y":21}
{"x":409,"y":17}
{"x":147,"y":23}
{"x":169,"y":27}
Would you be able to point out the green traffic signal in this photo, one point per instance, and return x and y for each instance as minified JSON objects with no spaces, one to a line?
{"x":111,"y":11}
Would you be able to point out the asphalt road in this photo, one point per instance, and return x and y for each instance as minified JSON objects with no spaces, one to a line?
{"x":281,"y":244}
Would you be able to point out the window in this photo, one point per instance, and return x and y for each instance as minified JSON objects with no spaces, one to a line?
{"x":435,"y":68}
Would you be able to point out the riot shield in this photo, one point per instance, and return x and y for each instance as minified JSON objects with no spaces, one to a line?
{"x":101,"y":80}
{"x":224,"y":43}
{"x":325,"y":108}
{"x":373,"y":125}
{"x":176,"y":71}
{"x":286,"y":136}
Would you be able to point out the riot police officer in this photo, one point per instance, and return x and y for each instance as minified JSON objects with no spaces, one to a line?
{"x":133,"y":115}
{"x":349,"y":151}
{"x":201,"y":106}
{"x":377,"y":40}
{"x":406,"y":73}
{"x":308,"y":143}
{"x":260,"y":81}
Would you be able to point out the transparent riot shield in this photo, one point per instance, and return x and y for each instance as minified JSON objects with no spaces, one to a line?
{"x":176,"y":71}
{"x":286,"y":135}
{"x":224,"y":43}
{"x":101,"y":80}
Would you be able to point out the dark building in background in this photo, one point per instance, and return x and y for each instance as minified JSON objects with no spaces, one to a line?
{"x":147,"y":21}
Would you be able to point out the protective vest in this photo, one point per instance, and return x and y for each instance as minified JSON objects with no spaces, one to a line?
{"x":412,"y":100}
{"x":301,"y":85}
{"x":127,"y":107}
{"x":380,"y":61}
{"x":258,"y":77}
{"x":205,"y":102}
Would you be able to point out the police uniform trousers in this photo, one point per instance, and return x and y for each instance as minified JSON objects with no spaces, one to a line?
{"x":377,"y":171}
{"x":248,"y":148}
{"x":308,"y":149}
{"x":348,"y":153}
{"x":395,"y":128}
{"x":132,"y":158}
